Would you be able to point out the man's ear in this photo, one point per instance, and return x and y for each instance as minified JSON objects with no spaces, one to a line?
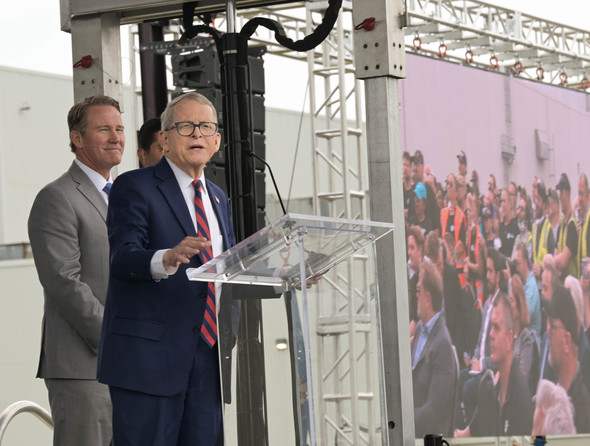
{"x":163,"y":141}
{"x":76,"y":138}
{"x":429,"y":296}
{"x":217,"y":141}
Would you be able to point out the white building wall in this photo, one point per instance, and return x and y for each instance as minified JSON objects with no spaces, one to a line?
{"x":34,"y":142}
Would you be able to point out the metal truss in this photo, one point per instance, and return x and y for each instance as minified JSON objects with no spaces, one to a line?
{"x":345,"y":324}
{"x":473,"y":33}
{"x":479,"y":34}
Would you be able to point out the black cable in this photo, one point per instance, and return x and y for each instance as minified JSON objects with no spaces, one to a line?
{"x":308,"y":42}
{"x":273,"y":179}
{"x":188,"y":13}
{"x":193,"y":31}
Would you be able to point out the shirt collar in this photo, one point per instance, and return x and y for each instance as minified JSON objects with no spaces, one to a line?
{"x":185,"y":180}
{"x":96,"y":178}
{"x":427,"y":328}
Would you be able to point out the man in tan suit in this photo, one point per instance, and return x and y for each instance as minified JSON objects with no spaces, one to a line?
{"x":68,"y":236}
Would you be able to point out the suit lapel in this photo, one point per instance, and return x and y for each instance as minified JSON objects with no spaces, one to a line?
{"x":88,"y":189}
{"x":173,"y":195}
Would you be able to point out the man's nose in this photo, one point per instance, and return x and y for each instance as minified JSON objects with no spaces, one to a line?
{"x":114,"y":135}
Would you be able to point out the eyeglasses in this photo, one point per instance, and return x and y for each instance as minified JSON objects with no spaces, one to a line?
{"x":187,"y":128}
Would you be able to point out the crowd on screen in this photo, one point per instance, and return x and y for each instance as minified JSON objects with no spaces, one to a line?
{"x":499,"y":302}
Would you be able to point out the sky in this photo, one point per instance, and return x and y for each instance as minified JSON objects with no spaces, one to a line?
{"x":30,"y":35}
{"x":31,"y":38}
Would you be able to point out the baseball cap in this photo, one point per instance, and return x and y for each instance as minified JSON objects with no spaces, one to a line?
{"x":562,"y":307}
{"x":420,"y":191}
{"x":418,"y":158}
{"x":462,"y":157}
{"x":564,"y":183}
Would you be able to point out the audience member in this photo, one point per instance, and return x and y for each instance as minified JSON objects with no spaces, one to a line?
{"x":554,"y":413}
{"x":474,"y":186}
{"x":487,"y":223}
{"x":566,"y":253}
{"x":475,"y":263}
{"x":508,"y":227}
{"x":513,"y":195}
{"x":461,"y":191}
{"x":585,"y":282}
{"x":549,"y":281}
{"x":408,"y":185}
{"x":553,"y":212}
{"x":583,"y":220}
{"x":462,"y":160}
{"x":481,"y":359}
{"x":453,"y":295}
{"x":452,"y":218}
{"x":543,"y":242}
{"x":563,"y":353}
{"x":434,"y":369}
{"x":504,"y":403}
{"x":432,"y":208}
{"x":525,"y":342}
{"x":419,"y":216}
{"x":415,"y":245}
{"x":531,"y":290}
{"x":523,"y":216}
{"x":575,"y":289}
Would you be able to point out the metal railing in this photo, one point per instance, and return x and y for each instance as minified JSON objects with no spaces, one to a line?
{"x":20,"y":407}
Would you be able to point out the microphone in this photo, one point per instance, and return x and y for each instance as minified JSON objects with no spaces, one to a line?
{"x":252,"y":154}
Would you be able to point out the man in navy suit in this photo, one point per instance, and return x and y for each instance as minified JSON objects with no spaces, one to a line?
{"x":163,"y":374}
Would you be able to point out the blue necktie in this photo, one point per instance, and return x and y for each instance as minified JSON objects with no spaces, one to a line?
{"x":107,"y":188}
{"x":209,"y":325}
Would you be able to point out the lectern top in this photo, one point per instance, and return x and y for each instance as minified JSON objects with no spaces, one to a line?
{"x":271,"y":256}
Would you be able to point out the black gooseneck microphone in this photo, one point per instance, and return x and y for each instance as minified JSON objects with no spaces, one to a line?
{"x":252,"y":154}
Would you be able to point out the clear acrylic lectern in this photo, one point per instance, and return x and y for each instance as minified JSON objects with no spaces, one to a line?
{"x":321,"y":343}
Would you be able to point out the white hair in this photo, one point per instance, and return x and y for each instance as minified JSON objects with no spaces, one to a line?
{"x":573,"y":286}
{"x":553,"y":400}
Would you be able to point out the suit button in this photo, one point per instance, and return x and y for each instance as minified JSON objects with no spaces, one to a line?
{"x":204,"y":294}
{"x":196,"y":330}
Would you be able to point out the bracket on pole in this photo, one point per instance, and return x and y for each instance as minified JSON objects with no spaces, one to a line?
{"x":379,"y":46}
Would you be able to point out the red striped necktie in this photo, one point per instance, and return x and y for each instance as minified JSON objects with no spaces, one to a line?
{"x":209,"y":326}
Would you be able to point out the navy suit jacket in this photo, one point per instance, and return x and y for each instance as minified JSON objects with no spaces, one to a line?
{"x":151,"y":328}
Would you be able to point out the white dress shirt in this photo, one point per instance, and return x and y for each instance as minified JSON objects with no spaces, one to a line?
{"x":96,"y":178}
